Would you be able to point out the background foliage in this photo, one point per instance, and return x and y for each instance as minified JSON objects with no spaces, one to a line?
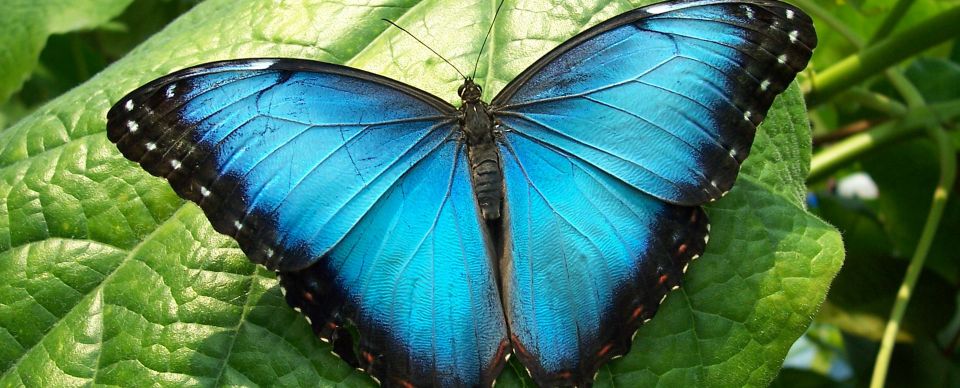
{"x":110,"y":278}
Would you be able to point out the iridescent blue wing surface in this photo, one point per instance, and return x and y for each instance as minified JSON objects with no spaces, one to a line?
{"x":667,"y":98}
{"x":587,"y":259}
{"x":610,"y":142}
{"x":307,"y":166}
{"x":419,"y":271}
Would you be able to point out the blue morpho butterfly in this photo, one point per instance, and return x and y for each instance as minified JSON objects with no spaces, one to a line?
{"x":549,"y":223}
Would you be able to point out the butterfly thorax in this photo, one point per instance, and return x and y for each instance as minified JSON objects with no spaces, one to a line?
{"x":477,"y":125}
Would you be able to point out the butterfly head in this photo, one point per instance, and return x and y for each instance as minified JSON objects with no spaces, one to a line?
{"x":470,"y":91}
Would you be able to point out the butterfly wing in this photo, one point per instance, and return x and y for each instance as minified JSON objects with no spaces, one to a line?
{"x":588,"y":259}
{"x":417,"y":275}
{"x":352,"y":186}
{"x":284,"y":155}
{"x":610,"y":143}
{"x":667,"y":98}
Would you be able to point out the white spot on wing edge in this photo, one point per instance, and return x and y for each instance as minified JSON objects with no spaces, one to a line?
{"x":237,"y":224}
{"x":151,"y":146}
{"x":204,"y":191}
{"x":128,"y":106}
{"x":261,"y":64}
{"x":789,"y":14}
{"x":132,"y":126}
{"x":175,"y":164}
{"x":782,"y":59}
{"x":793,"y":36}
{"x":747,"y":114}
{"x":169,"y":91}
{"x":659,"y":8}
{"x":764,"y":85}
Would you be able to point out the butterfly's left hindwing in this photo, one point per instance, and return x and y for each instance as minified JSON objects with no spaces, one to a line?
{"x":588,"y":258}
{"x":416,"y":277}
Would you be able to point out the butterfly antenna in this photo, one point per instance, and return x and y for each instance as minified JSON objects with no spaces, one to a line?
{"x":428,"y":47}
{"x":482,"y":45}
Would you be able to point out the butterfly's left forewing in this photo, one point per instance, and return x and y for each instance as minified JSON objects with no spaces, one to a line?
{"x":284,"y":155}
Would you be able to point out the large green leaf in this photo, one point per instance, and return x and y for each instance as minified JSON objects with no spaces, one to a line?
{"x":110,"y":278}
{"x":25,"y":26}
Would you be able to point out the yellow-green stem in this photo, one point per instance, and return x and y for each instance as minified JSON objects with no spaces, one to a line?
{"x":831,"y":158}
{"x":873,"y":59}
{"x":948,"y":171}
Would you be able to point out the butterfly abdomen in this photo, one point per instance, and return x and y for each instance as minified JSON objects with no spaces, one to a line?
{"x":487,"y":178}
{"x":486,"y":171}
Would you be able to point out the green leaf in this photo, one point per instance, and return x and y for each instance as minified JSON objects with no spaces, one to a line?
{"x":111,"y":278}
{"x":25,"y":26}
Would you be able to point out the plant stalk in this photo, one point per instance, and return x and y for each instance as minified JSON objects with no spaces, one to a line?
{"x":870,"y":61}
{"x":843,"y":152}
{"x":948,"y":172}
{"x":893,"y":18}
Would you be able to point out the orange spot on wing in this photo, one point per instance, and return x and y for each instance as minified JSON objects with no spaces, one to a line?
{"x":308,"y":296}
{"x":405,"y":384}
{"x":521,"y":351}
{"x":682,"y":249}
{"x":636,"y":312}
{"x":662,"y":280}
{"x":501,"y":351}
{"x":368,"y":357}
{"x":603,"y":351}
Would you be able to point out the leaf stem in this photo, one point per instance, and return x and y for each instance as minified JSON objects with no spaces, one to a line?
{"x":890,"y":22}
{"x":948,"y":172}
{"x":873,"y":59}
{"x":843,"y":152}
{"x":878,"y":102}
